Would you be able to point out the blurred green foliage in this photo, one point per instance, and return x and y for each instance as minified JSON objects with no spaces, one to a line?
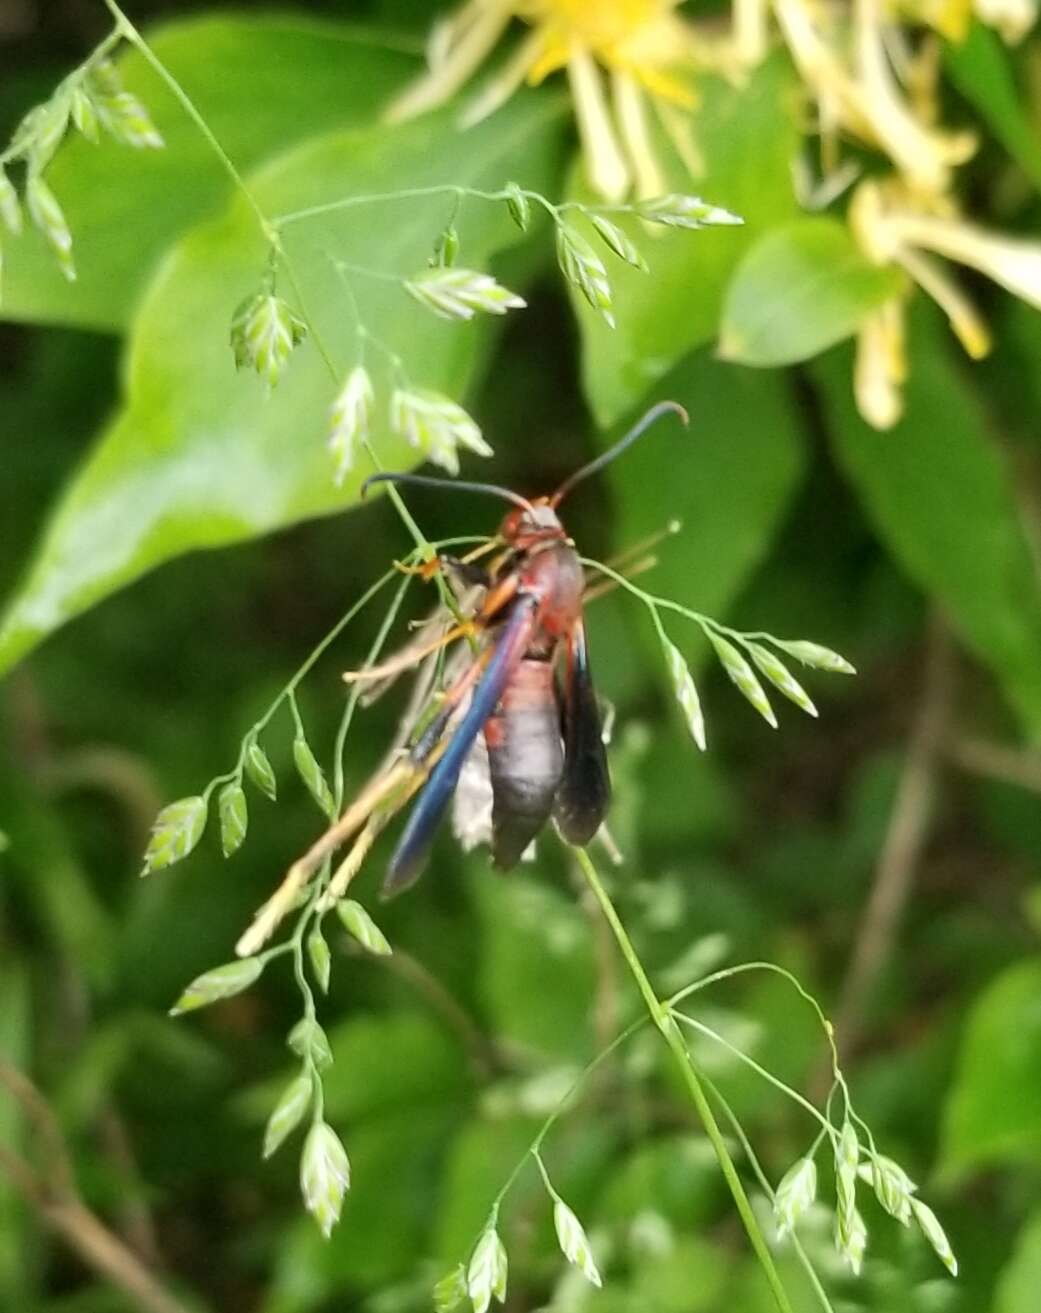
{"x":797,"y":518}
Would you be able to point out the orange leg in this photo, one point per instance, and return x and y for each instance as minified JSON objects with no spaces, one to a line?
{"x":498,"y":596}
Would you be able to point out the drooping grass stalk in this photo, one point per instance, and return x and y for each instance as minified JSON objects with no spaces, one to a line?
{"x":666,"y":1024}
{"x":767,"y":1189}
{"x":272,"y":236}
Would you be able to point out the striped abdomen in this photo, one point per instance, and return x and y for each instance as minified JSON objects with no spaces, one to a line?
{"x":525,"y":759}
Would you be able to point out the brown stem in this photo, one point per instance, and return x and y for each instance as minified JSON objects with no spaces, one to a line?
{"x":53,"y":1196}
{"x":1019,"y":766}
{"x":904,"y":841}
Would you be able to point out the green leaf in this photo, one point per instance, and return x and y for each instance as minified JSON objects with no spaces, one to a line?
{"x":175,"y":832}
{"x":222,"y":982}
{"x":525,"y":930}
{"x":262,"y":83}
{"x":980,"y":68}
{"x":728,"y":480}
{"x":942,"y":497}
{"x":748,"y":137}
{"x":800,"y":289}
{"x":1021,"y":1278}
{"x":993,"y":1112}
{"x":393,"y":1059}
{"x":201,"y":457}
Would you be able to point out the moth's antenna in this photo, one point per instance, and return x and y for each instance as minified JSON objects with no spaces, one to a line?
{"x":459,"y":485}
{"x":637,"y":431}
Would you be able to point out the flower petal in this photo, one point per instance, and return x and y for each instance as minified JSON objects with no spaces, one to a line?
{"x":608,"y":173}
{"x":881,"y":365}
{"x":630,"y":112}
{"x":1010,"y":261}
{"x":501,"y":86}
{"x":965,"y":322}
{"x":923,"y":155}
{"x":446,"y":77}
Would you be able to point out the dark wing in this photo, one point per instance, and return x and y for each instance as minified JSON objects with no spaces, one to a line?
{"x":585,"y":789}
{"x":414,"y":845}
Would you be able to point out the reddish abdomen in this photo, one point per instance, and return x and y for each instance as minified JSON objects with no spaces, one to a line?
{"x":525,"y":759}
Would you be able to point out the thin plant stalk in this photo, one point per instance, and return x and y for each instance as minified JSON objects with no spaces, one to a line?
{"x":666,"y":1024}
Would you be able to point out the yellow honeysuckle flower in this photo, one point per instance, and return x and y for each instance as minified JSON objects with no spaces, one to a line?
{"x":880,"y":366}
{"x":924,"y":155}
{"x":751,"y":24}
{"x":892,"y":227}
{"x":1013,"y":19}
{"x":851,"y":76}
{"x":622,"y":58}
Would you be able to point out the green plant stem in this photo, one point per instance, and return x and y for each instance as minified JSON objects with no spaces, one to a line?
{"x":760,"y":1070}
{"x":126,"y":27}
{"x":670,"y":1032}
{"x":753,"y":1162}
{"x":270,"y":231}
{"x":533,"y":1149}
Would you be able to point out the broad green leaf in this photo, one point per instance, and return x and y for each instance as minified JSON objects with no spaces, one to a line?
{"x":942,"y":497}
{"x":993,"y":1112}
{"x":400,"y":1058}
{"x":728,"y":479}
{"x":800,"y":289}
{"x":528,"y":931}
{"x":1021,"y":1279}
{"x":200,"y":456}
{"x":980,"y":68}
{"x":262,"y":83}
{"x":748,"y":138}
